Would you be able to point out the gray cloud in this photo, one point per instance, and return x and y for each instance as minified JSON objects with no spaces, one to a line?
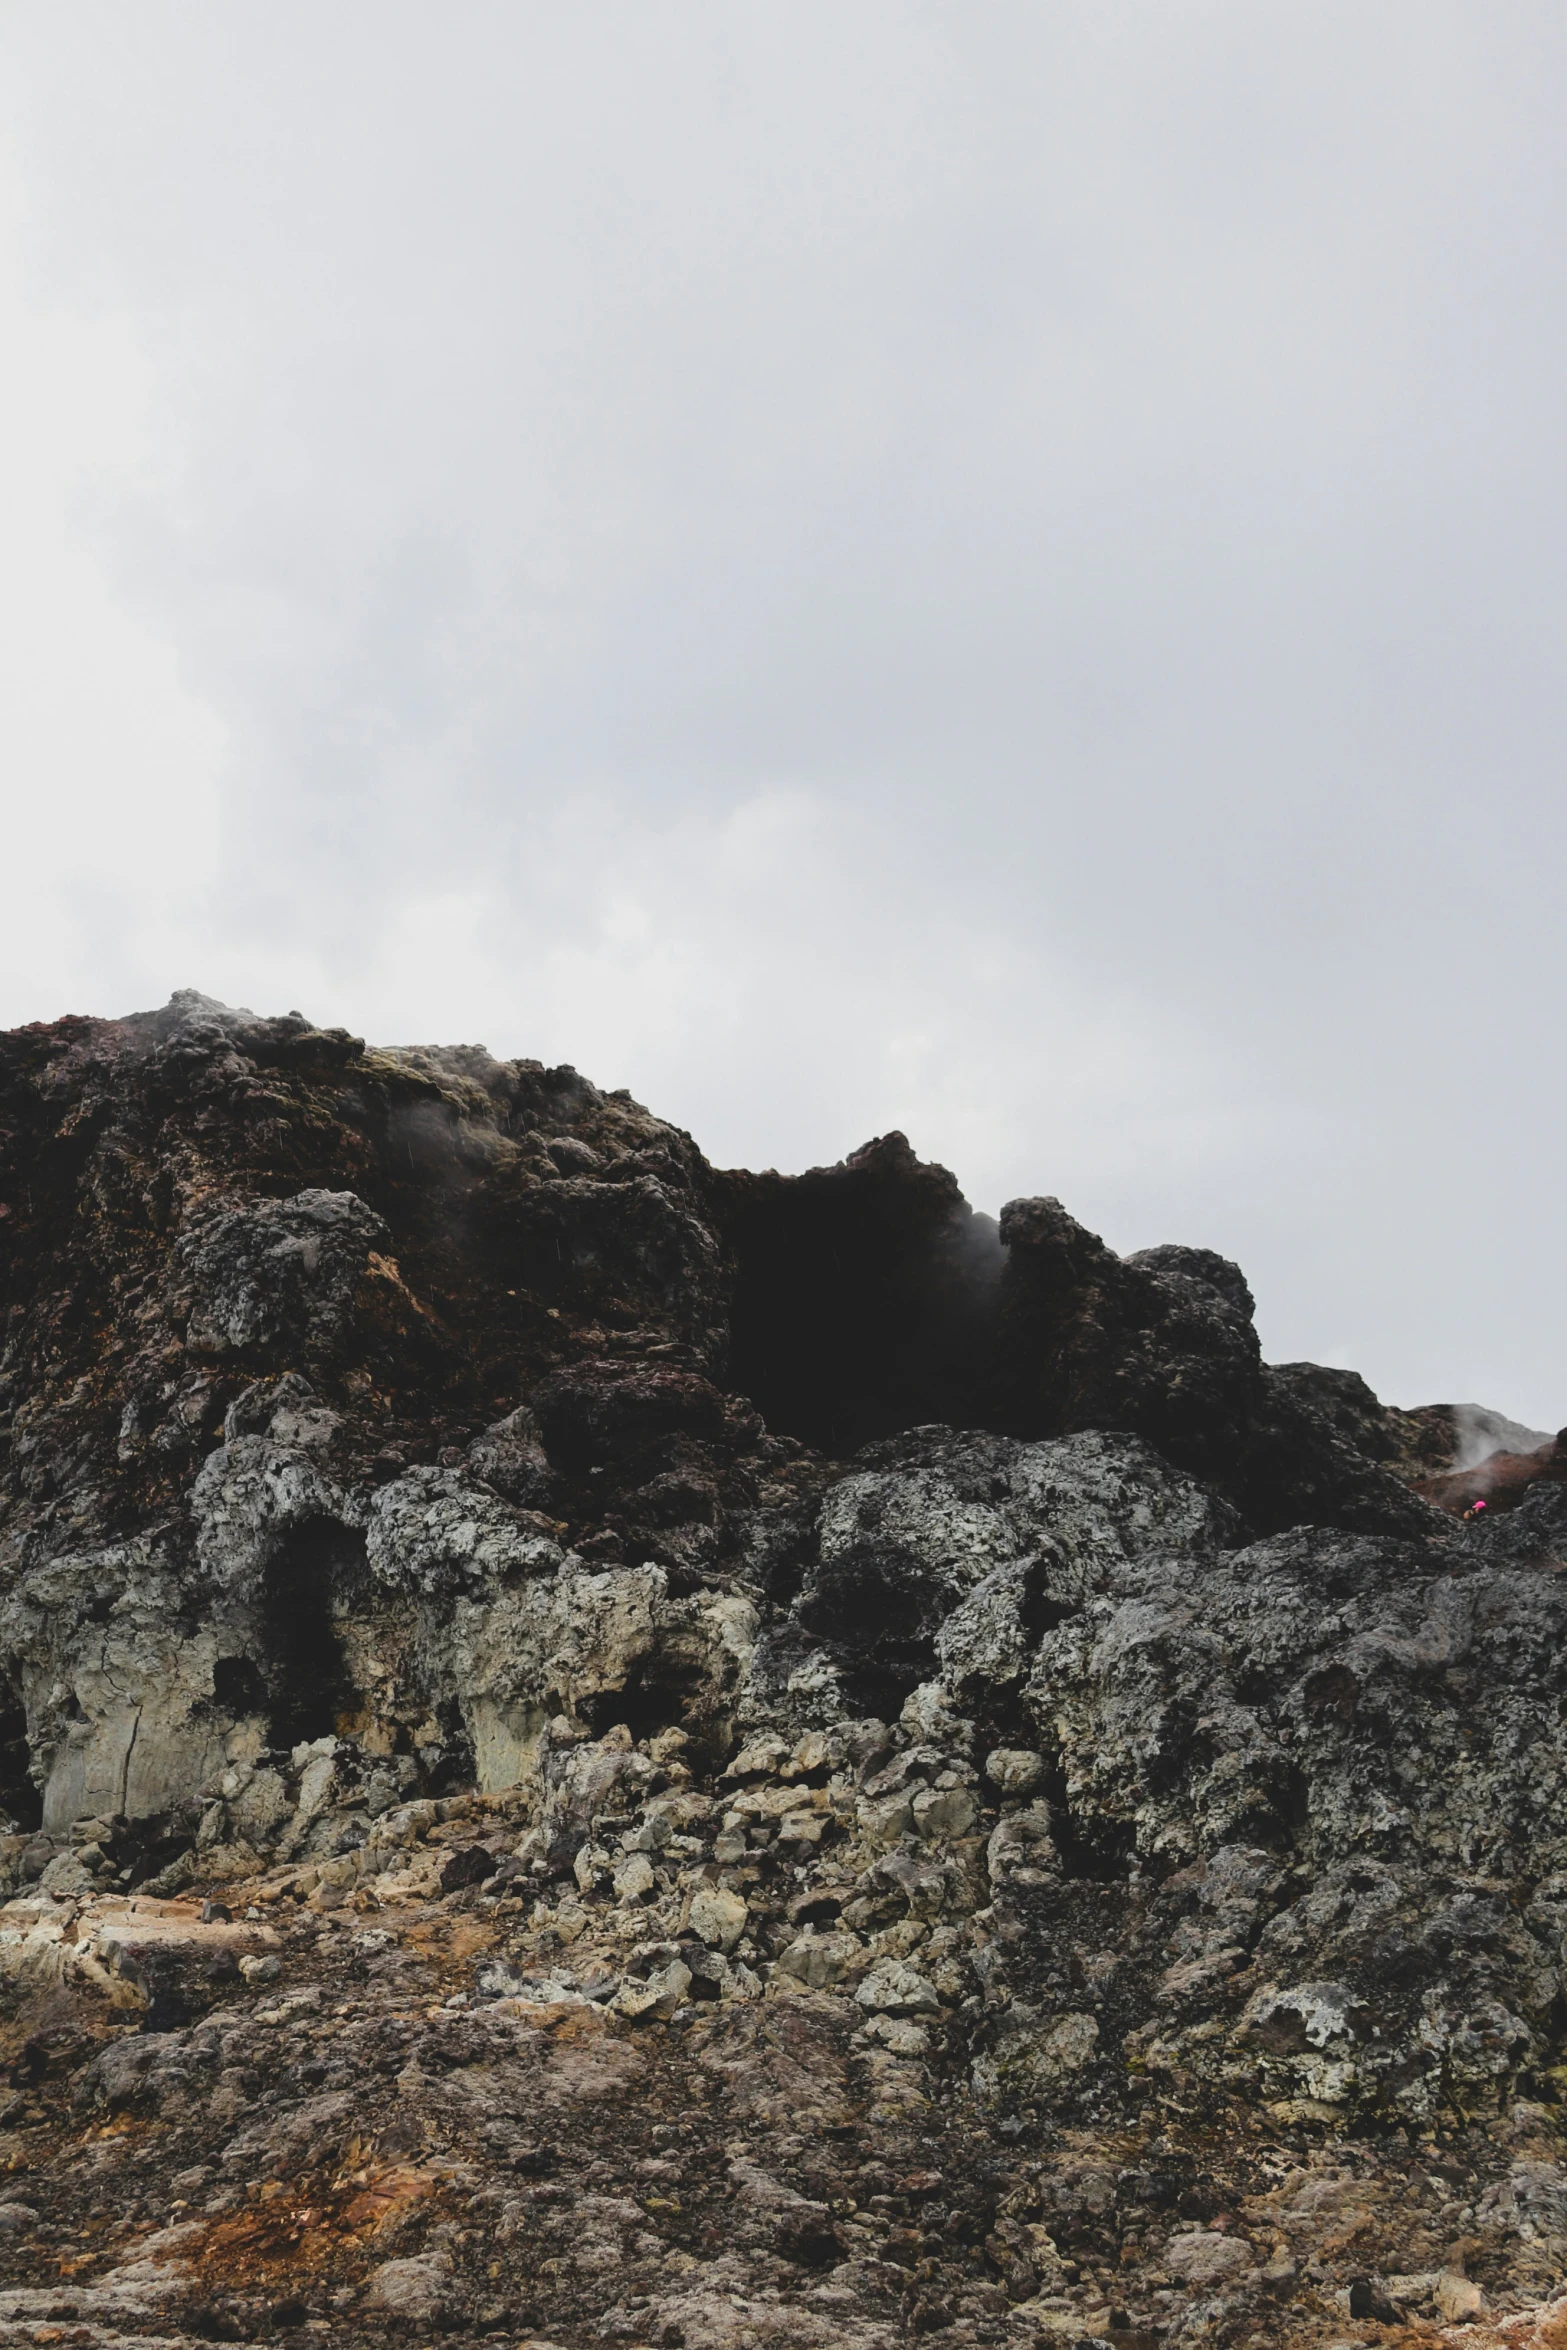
{"x":996,"y":571}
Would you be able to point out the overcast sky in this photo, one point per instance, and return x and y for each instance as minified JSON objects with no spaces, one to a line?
{"x":995,"y":570}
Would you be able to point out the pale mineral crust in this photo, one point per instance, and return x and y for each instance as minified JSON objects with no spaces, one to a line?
{"x":599,"y":1750}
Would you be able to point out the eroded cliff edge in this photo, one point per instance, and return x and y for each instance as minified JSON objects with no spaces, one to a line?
{"x":618,"y":1631}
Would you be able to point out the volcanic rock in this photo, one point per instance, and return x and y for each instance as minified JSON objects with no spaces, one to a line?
{"x":598,"y":1749}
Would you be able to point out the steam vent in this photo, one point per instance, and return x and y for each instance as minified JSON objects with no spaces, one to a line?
{"x":598,"y":1750}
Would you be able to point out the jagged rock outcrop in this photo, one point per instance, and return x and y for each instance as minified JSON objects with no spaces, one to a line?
{"x":789,"y":1765}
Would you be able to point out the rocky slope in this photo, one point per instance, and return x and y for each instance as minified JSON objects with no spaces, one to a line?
{"x":600,"y":1750}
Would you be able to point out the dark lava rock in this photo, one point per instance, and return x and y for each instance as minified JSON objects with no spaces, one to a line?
{"x":611,"y":1750}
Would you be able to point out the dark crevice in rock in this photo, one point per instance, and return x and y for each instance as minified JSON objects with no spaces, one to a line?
{"x":311,"y":1570}
{"x":865,"y":1297}
{"x":20,"y":1801}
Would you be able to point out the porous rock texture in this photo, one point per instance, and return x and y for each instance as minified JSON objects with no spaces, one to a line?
{"x":599,"y":1750}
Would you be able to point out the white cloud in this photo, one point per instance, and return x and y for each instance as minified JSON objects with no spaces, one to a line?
{"x":997,"y":572}
{"x":111,"y":763}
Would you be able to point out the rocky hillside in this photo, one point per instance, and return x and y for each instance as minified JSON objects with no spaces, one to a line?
{"x":602,"y":1750}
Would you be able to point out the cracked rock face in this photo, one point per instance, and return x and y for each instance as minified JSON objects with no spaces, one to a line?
{"x":596,"y":1749}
